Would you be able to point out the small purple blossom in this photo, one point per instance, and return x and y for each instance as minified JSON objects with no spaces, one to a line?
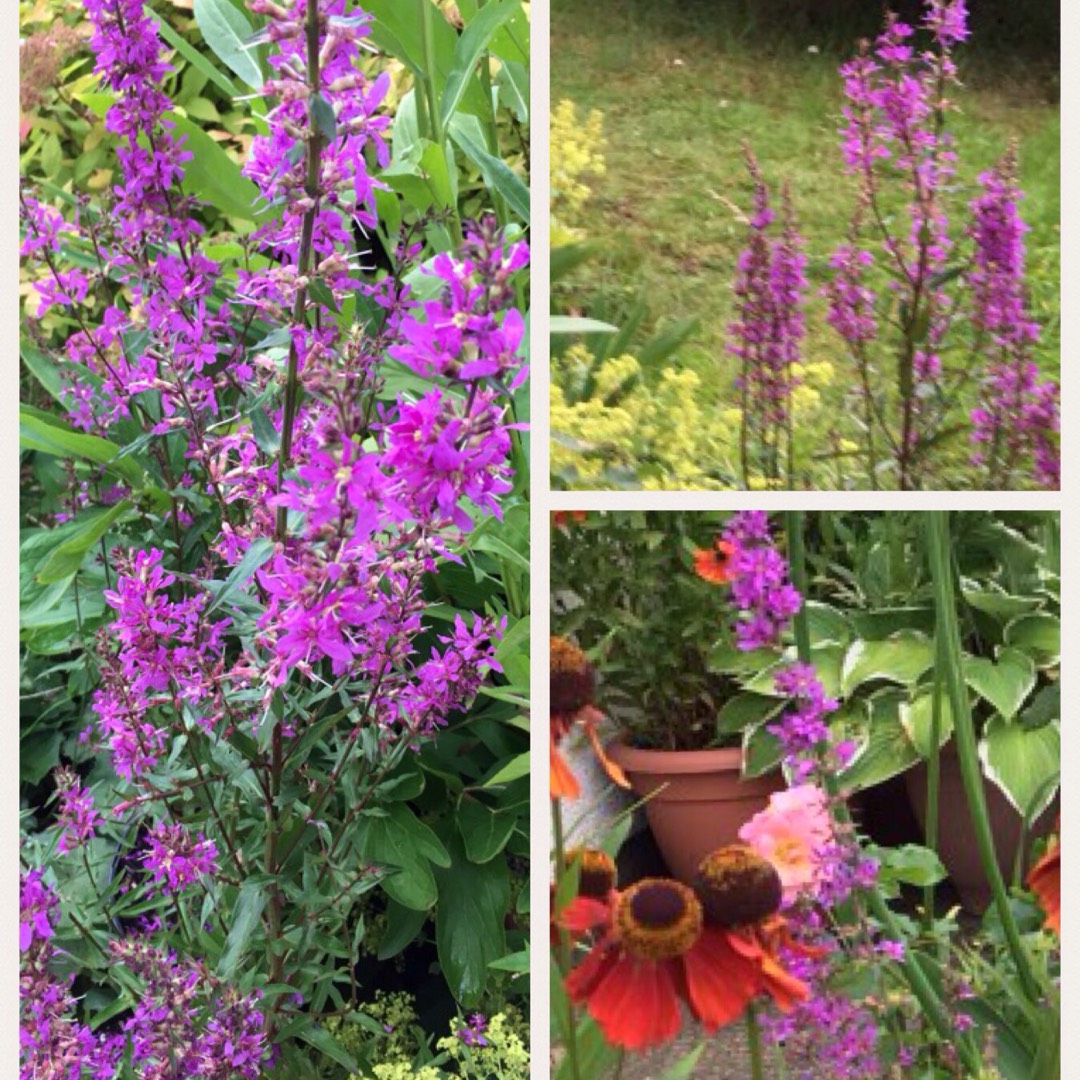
{"x":177,"y":858}
{"x":77,"y":816}
{"x":472,"y":1033}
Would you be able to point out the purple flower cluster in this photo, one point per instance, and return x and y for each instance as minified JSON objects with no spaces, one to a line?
{"x":767,"y":332}
{"x":1016,"y":422}
{"x":472,"y":1033}
{"x":52,"y":1043}
{"x":175,"y":858}
{"x":168,"y":659}
{"x":186,"y":1023}
{"x":760,"y":587}
{"x":77,"y":816}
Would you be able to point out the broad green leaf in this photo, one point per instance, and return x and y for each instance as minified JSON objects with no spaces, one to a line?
{"x":884,"y":750}
{"x":398,"y":839}
{"x":1038,"y":635}
{"x":1022,"y":762}
{"x":1045,"y":706}
{"x":470,"y":45}
{"x":827,"y":623}
{"x":249,"y":906}
{"x":67,"y":558}
{"x":910,"y":864}
{"x":762,"y":751}
{"x":1002,"y":605}
{"x":211,"y":175}
{"x":917,"y":718}
{"x":744,"y":710}
{"x":1005,"y":683}
{"x":402,"y":926}
{"x":226,"y":30}
{"x":469,"y":934}
{"x":901,"y":658}
{"x":483,"y":830}
{"x":517,"y":963}
{"x":36,"y":434}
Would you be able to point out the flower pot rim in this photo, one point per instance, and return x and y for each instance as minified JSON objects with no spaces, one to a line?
{"x":634,"y":758}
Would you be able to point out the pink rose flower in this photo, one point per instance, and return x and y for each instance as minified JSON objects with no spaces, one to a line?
{"x":790,"y":833}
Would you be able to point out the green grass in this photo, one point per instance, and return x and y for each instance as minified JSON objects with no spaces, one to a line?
{"x":681,"y":88}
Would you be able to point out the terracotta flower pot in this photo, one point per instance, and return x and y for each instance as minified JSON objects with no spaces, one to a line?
{"x":701,"y":800}
{"x":956,"y":846}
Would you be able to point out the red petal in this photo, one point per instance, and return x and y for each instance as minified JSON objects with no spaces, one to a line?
{"x":635,"y":1003}
{"x":719,"y":982}
{"x":584,"y":913}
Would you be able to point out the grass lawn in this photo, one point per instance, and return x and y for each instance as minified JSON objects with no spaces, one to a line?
{"x":681,"y":86}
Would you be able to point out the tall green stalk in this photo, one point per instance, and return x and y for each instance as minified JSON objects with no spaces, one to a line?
{"x":564,"y":937}
{"x":914,"y":976}
{"x":947,"y":628}
{"x":933,"y":778}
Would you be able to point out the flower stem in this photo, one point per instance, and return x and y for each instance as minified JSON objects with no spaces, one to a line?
{"x":427,"y":31}
{"x":966,"y":743}
{"x":753,"y":1038}
{"x":933,"y":779}
{"x":564,"y":937}
{"x":793,"y":526}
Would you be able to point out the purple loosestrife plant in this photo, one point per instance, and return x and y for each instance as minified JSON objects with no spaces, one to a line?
{"x":930,"y":323}
{"x":312,"y":452}
{"x":766,"y":335}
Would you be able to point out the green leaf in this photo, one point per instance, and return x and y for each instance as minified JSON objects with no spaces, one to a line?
{"x":47,"y":438}
{"x":570,"y":324}
{"x":917,"y":718}
{"x":516,"y":767}
{"x":260,"y":550}
{"x":1000,"y":604}
{"x":398,"y":839}
{"x":1006,"y":684}
{"x":512,"y":81}
{"x":226,"y":29}
{"x":484,"y":831}
{"x":1045,"y":706}
{"x":1022,"y":762}
{"x":517,"y":963}
{"x":901,"y":658}
{"x":762,"y":751}
{"x":885,"y":749}
{"x":744,"y":710}
{"x":67,"y":558}
{"x":211,"y":175}
{"x":469,"y":934}
{"x":472,"y":42}
{"x":327,"y":1045}
{"x":249,"y":906}
{"x":497,"y":174}
{"x":191,"y":54}
{"x":827,"y":623}
{"x":1038,"y":635}
{"x":685,"y":1067}
{"x":402,"y":926}
{"x":910,"y":864}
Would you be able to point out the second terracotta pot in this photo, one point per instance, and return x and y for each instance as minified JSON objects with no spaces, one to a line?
{"x":700,"y":802}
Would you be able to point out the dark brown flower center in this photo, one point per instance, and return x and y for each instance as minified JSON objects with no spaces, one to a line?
{"x":658,"y":919}
{"x":572,"y":678}
{"x":596,"y":876}
{"x":736,"y":886}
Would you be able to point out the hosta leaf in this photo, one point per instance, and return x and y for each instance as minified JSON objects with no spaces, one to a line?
{"x":1005,"y":683}
{"x":1024,"y":763}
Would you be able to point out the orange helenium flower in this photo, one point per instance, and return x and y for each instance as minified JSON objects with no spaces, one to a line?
{"x":714,"y":564}
{"x":572,"y":684}
{"x":715,"y":946}
{"x":562,"y":517}
{"x":1044,"y":880}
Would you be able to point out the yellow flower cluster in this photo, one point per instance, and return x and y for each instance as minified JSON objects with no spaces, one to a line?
{"x":662,"y":434}
{"x":576,"y":154}
{"x":506,"y":1055}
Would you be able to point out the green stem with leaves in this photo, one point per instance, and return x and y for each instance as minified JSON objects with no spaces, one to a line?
{"x":564,"y":938}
